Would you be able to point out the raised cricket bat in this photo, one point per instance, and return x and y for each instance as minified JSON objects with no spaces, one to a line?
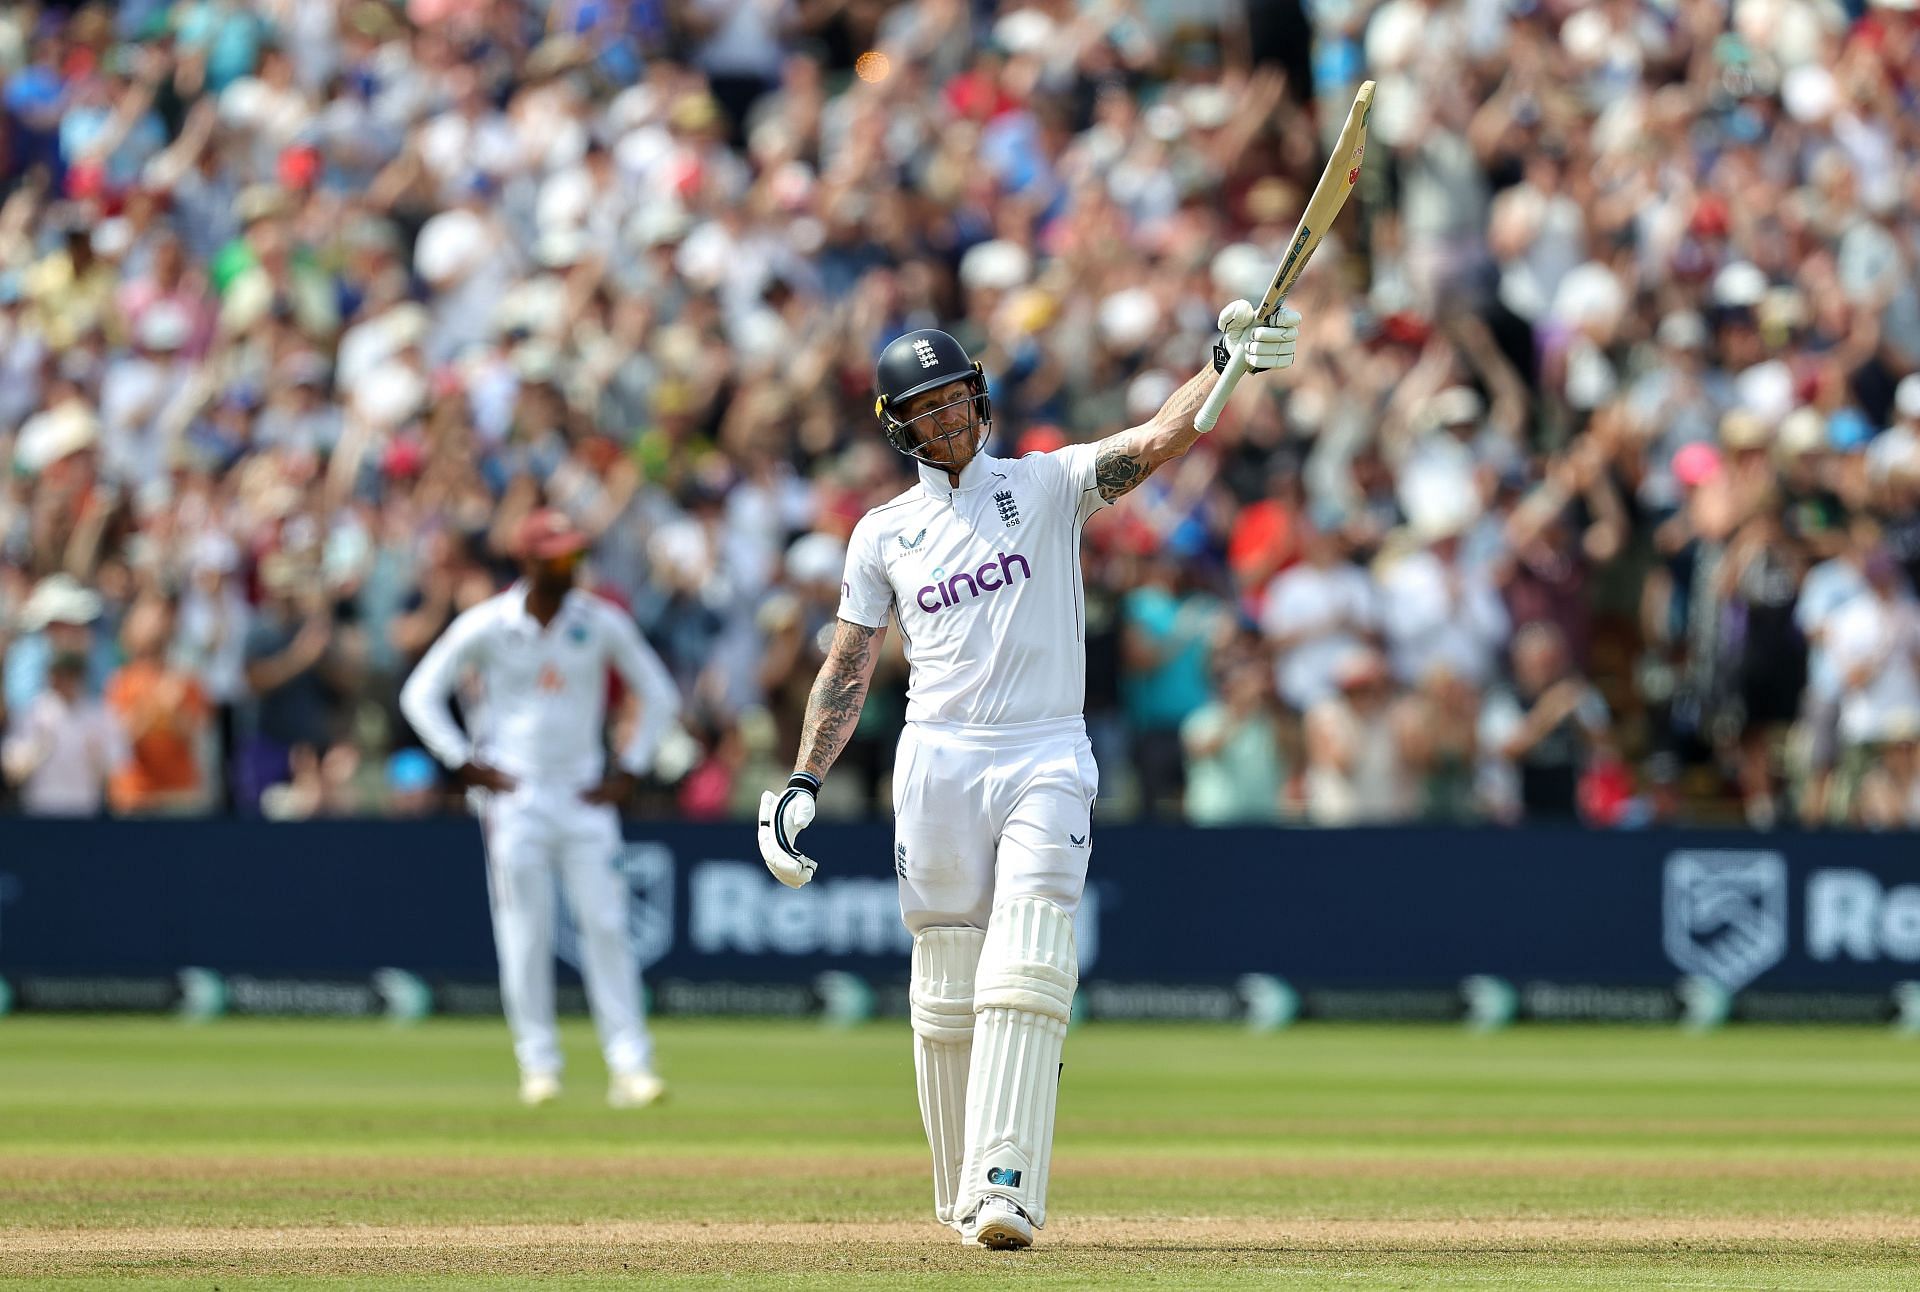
{"x":1329,"y":195}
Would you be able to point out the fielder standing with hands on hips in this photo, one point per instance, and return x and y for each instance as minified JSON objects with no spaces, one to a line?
{"x":534,"y":759}
{"x":994,"y":781}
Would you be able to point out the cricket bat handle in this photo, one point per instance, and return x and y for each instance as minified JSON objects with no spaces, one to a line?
{"x":1222,"y":390}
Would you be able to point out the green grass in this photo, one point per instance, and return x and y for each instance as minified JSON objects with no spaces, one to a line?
{"x":1391,"y":1157}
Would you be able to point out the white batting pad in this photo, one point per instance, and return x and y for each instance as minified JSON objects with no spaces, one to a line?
{"x":941,"y":1000}
{"x":1023,"y":999}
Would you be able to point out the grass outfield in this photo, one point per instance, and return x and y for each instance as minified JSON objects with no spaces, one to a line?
{"x":250,"y":1154}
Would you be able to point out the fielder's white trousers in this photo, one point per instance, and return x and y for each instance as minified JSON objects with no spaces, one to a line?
{"x":984,"y":815}
{"x":535,"y":835}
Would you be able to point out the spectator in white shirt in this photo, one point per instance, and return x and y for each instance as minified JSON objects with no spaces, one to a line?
{"x":1316,"y":613}
{"x":1872,"y":642}
{"x":63,"y":746}
{"x":1830,"y":586}
{"x":1437,"y":611}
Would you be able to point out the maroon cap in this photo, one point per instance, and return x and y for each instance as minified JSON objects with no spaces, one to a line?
{"x":548,"y":534}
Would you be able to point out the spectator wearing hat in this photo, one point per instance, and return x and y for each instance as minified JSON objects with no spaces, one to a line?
{"x":1811,"y":508}
{"x":56,"y":620}
{"x":143,"y":394}
{"x":1434,"y":607}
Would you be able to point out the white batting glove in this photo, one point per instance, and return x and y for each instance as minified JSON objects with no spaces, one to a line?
{"x":782,"y":817}
{"x":1269,"y":347}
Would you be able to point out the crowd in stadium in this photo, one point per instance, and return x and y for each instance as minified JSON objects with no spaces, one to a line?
{"x":1595,"y":493}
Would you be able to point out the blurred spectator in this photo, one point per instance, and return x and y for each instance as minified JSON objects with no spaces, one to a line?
{"x":1237,"y":766}
{"x":1873,"y":640}
{"x":1314,"y":615}
{"x":54,"y":622}
{"x":285,"y":652}
{"x":1762,"y":575}
{"x":1829,"y":586}
{"x":1890,"y":789}
{"x":1543,"y":734}
{"x":1436,"y":609}
{"x":1442,"y":747}
{"x":164,"y":714}
{"x":64,"y":745}
{"x":1620,"y":333}
{"x":1168,"y":635}
{"x":1358,"y":742}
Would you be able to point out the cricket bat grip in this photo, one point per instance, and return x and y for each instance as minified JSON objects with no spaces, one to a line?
{"x":1216,"y":404}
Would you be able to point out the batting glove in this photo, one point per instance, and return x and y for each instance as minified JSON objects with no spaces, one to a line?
{"x":782,"y":818}
{"x":1270,"y":346}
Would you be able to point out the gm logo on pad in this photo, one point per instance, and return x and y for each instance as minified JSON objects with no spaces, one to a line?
{"x":1005,"y":1176}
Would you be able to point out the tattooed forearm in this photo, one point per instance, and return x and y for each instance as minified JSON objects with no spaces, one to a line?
{"x":1117,"y":470}
{"x":1184,"y":404}
{"x":1124,"y":460}
{"x":834,"y":706}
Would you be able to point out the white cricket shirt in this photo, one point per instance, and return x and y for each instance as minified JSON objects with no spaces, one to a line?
{"x":537,"y":710}
{"x":984,"y":581}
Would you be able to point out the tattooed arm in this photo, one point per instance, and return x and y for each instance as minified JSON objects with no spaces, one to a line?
{"x":1124,"y":460}
{"x":838,"y":693}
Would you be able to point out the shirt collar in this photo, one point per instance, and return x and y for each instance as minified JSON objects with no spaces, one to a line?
{"x":978,"y":472}
{"x":518,"y":613}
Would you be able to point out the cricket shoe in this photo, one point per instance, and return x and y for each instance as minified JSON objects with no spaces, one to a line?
{"x":635,"y":1090}
{"x":537,"y":1088}
{"x":998,"y":1225}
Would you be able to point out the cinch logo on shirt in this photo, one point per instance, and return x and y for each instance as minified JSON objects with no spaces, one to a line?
{"x":992,"y":576}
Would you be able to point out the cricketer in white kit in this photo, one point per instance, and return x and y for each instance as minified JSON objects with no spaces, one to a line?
{"x":536,"y":657}
{"x":994,"y":781}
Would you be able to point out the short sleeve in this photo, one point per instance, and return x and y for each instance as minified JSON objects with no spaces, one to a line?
{"x":865,"y":594}
{"x":1069,"y":473}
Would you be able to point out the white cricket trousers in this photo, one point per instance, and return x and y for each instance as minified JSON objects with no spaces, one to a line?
{"x":983,"y":815}
{"x":535,"y":834}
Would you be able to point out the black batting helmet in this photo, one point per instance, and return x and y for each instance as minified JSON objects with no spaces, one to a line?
{"x":914,"y":364}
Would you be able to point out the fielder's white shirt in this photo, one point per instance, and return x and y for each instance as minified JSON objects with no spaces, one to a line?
{"x":537,"y":706}
{"x":984,"y":581}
